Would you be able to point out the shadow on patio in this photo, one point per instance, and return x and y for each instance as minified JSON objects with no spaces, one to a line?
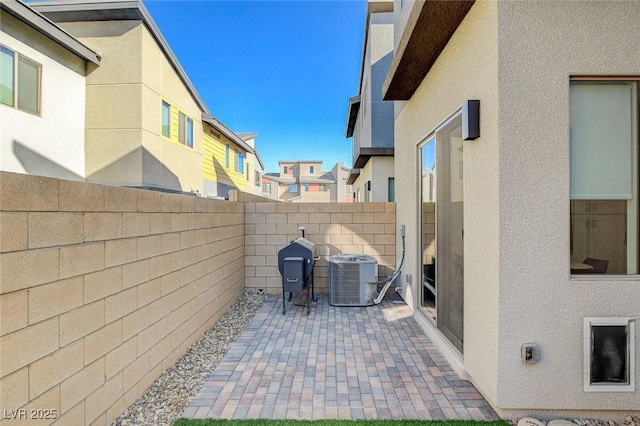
{"x":346,"y":363}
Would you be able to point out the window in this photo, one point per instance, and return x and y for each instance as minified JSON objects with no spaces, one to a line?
{"x":293,"y":188}
{"x":19,"y":81}
{"x":391,"y":190}
{"x":306,"y":187}
{"x":256,"y":178}
{"x":166,"y":119}
{"x":266,"y":188}
{"x":604,"y":177}
{"x":7,"y":83}
{"x":310,"y":170}
{"x":239,"y":162}
{"x":294,"y":170}
{"x":286,"y":170}
{"x":226,"y":156}
{"x":185,"y":130}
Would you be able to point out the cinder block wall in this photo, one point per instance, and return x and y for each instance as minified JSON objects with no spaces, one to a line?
{"x":335,"y":228}
{"x":101,"y":288}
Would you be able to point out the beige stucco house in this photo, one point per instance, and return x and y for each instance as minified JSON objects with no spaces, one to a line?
{"x":143,"y":119}
{"x":254,"y":164}
{"x":42,"y":95}
{"x":146,"y":124}
{"x":522,"y":255}
{"x":369,"y":121}
{"x":304,"y":181}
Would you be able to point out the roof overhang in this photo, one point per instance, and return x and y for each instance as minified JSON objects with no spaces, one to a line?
{"x":115,"y":10}
{"x":352,"y":114}
{"x":430,"y":25}
{"x":364,"y":154}
{"x":48,"y":28}
{"x":219,"y":126}
{"x":353,"y":175}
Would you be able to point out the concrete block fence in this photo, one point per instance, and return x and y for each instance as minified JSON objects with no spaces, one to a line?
{"x":102,"y":288}
{"x":335,"y":228}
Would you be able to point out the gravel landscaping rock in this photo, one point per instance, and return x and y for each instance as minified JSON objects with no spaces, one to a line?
{"x":164,"y":401}
{"x":628,"y":421}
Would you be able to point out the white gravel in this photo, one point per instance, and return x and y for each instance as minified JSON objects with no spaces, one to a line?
{"x":165,"y":400}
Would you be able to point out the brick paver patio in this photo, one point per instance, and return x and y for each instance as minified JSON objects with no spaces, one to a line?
{"x":336,"y":363}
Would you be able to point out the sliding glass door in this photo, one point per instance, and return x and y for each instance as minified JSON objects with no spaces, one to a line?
{"x":442,"y":219}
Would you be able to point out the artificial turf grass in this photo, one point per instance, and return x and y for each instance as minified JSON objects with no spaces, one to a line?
{"x":377,"y":422}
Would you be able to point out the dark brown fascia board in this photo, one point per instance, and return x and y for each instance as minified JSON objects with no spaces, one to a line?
{"x":100,"y":10}
{"x":364,"y":154}
{"x":48,"y":28}
{"x":353,"y":175}
{"x":352,"y":114}
{"x":219,"y":126}
{"x":429,"y":28}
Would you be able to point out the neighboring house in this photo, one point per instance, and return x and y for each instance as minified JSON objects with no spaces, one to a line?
{"x":306,"y":182}
{"x":42,"y":95}
{"x":256,"y":167}
{"x":146,"y":124}
{"x":271,"y":186}
{"x":369,"y":118}
{"x":226,"y":164}
{"x":525,"y":268}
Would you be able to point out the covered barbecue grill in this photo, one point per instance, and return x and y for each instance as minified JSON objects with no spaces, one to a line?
{"x":295,"y":263}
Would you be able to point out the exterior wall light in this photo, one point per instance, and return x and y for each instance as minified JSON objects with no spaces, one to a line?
{"x":471,"y":120}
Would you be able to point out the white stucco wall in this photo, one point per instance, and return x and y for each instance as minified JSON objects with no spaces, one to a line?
{"x":517,"y":59}
{"x":466,"y":69}
{"x":541,"y":45}
{"x":51,"y":144}
{"x":378,"y":170}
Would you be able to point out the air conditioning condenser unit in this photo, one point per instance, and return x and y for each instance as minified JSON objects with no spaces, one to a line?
{"x":353,"y":280}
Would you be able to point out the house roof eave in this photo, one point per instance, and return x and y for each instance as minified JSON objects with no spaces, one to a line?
{"x":100,"y":10}
{"x":430,"y":26}
{"x":220,"y":126}
{"x":47,"y":27}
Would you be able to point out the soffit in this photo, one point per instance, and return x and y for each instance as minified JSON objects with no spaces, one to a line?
{"x":48,"y":28}
{"x":364,"y":154}
{"x":430,"y":25}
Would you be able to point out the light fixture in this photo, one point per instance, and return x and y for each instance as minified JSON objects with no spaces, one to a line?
{"x":471,"y":120}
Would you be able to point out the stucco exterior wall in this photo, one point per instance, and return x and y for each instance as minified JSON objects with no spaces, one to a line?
{"x":541,"y":45}
{"x":102,"y":288}
{"x":113,"y":141}
{"x":378,"y":170}
{"x":51,"y":144}
{"x":380,"y":113}
{"x":124,"y":144}
{"x":401,"y":12}
{"x":466,"y":69}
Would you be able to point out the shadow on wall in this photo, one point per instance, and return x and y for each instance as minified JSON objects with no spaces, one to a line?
{"x":37,"y":164}
{"x":223,"y":180}
{"x":137,"y":168}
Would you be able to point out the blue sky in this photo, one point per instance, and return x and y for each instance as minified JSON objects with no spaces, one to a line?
{"x":282,"y":69}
